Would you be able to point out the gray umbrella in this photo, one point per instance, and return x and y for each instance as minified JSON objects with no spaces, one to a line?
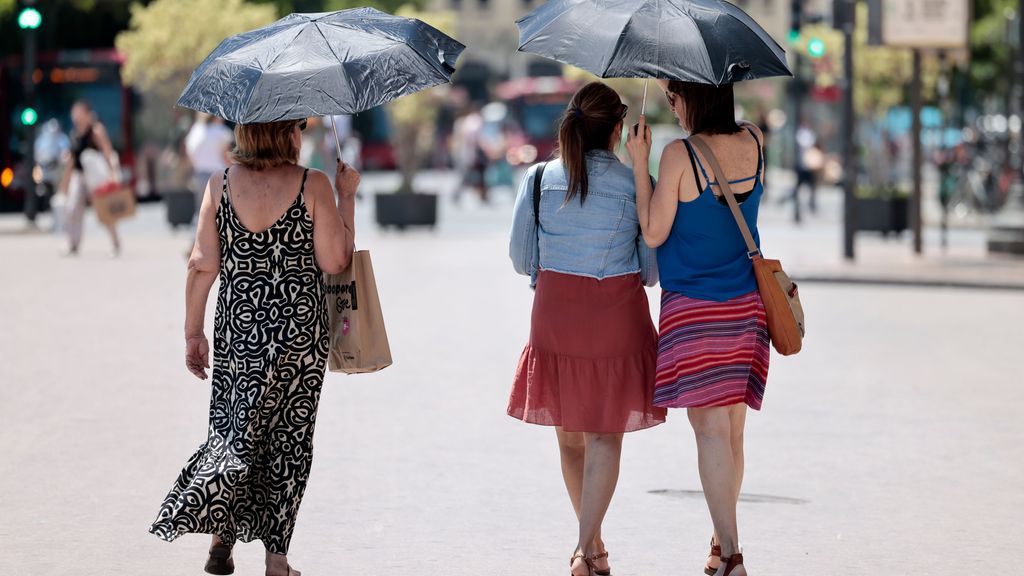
{"x":322,"y":64}
{"x":706,"y":41}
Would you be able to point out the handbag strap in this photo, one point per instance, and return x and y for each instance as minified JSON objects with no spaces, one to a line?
{"x":536,"y":193}
{"x":723,"y":182}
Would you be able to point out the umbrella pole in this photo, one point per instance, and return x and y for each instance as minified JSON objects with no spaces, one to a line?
{"x":337,"y":142}
{"x":643,"y":105}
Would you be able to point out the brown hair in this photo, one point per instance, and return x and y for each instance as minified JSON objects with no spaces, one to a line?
{"x":262,"y":146}
{"x":588,"y":124}
{"x":707,"y":109}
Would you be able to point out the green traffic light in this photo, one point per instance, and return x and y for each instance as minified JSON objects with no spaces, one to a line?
{"x":29,"y":19}
{"x":29,"y":117}
{"x":794,"y":36}
{"x":816,"y":47}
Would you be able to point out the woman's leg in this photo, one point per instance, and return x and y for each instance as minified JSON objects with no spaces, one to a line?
{"x":711,"y":427}
{"x":277,"y":565}
{"x":572,"y":449}
{"x":600,"y":475}
{"x":115,"y":241}
{"x":75,"y":212}
{"x":737,"y":422}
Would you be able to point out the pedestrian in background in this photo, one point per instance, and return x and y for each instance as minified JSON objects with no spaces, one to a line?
{"x":468,"y":153}
{"x":81,"y":175}
{"x":713,"y":344}
{"x":208,"y":145}
{"x":809,"y":160}
{"x":269,"y":229}
{"x":588,"y":369}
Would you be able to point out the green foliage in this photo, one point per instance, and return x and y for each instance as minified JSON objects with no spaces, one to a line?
{"x":414,"y":117}
{"x":167,"y":39}
{"x":992,"y":56}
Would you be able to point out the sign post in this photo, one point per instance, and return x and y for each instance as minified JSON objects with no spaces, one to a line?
{"x":922,"y":25}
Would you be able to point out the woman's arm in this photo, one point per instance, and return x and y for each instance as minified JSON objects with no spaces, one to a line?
{"x":523,"y":248}
{"x":656,"y":206}
{"x":648,"y":263}
{"x":334,"y":229}
{"x":203,"y":268}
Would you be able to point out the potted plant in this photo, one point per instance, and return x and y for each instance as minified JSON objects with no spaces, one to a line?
{"x":882,"y":209}
{"x":413,"y":121}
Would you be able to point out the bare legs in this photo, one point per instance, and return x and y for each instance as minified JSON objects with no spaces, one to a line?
{"x":590,"y":468}
{"x":719,"y":434}
{"x":277,"y":565}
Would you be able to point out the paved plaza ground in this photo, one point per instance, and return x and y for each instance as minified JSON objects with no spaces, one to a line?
{"x":892,"y":445}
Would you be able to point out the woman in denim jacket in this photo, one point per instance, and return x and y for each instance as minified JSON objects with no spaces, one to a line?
{"x":589,"y":367}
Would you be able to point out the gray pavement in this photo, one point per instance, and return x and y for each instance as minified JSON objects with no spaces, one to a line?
{"x":893,"y":444}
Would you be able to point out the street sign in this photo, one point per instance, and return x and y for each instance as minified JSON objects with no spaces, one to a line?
{"x":925,"y":23}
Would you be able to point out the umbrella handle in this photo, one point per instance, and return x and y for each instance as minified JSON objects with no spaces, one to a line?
{"x":334,"y":127}
{"x":643,"y":105}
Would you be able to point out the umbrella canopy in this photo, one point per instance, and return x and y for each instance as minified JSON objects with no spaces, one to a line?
{"x":318,"y":65}
{"x":706,"y":41}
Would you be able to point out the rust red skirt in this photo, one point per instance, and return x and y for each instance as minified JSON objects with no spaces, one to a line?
{"x":590,"y":365}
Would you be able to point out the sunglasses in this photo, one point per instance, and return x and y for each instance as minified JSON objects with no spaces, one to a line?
{"x":302,"y":124}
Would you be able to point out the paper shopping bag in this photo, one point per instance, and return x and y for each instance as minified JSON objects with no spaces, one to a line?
{"x":113,"y":202}
{"x":359,"y":342}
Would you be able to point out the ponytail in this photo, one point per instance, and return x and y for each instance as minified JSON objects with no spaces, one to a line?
{"x":588,"y":124}
{"x":571,"y":150}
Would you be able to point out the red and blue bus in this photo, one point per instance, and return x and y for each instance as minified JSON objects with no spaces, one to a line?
{"x":60,"y":79}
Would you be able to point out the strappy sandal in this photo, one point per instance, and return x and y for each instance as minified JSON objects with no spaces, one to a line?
{"x":586,"y":560}
{"x":220,"y":561}
{"x":732,"y":562}
{"x":597,"y":557}
{"x":716,"y":552}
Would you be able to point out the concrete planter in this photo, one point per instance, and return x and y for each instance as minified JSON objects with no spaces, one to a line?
{"x":881,"y":214}
{"x":403,"y":210}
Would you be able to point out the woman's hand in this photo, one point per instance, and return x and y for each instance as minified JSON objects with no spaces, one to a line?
{"x":346,"y":180}
{"x":639,"y":145}
{"x":197,"y":355}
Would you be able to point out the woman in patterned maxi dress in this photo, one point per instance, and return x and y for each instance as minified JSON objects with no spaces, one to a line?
{"x":268,"y":229}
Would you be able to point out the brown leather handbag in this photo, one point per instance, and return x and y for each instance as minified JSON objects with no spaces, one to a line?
{"x":780,"y":294}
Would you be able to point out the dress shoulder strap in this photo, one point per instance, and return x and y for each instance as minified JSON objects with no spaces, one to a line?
{"x":302,"y":187}
{"x":693,"y":164}
{"x":224,"y":186}
{"x":760,"y":153}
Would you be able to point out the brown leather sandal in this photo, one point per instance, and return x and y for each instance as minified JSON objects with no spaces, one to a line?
{"x":599,"y":556}
{"x":220,"y":562}
{"x":732,"y":562}
{"x":586,"y":560}
{"x":716,"y":552}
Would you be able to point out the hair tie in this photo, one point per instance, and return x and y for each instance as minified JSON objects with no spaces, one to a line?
{"x":576,"y":112}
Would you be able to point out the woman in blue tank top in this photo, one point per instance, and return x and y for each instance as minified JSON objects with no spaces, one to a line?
{"x":713,"y":341}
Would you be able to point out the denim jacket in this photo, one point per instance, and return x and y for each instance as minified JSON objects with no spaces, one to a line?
{"x":599,"y":239}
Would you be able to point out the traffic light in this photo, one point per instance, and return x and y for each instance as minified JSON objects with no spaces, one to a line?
{"x":29,"y":19}
{"x":796,"y":20}
{"x":29,"y":116}
{"x":816,"y":47}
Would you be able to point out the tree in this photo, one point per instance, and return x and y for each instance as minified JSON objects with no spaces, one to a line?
{"x":414,"y":117}
{"x":167,"y":39}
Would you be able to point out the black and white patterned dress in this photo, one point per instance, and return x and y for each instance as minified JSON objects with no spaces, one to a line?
{"x":270,"y":347}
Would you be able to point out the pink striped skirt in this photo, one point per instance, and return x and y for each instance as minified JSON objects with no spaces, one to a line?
{"x":711,"y":353}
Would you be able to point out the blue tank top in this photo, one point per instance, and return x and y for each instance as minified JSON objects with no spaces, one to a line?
{"x":704,"y":256}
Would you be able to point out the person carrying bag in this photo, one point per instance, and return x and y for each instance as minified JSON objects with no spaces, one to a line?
{"x":780,"y":294}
